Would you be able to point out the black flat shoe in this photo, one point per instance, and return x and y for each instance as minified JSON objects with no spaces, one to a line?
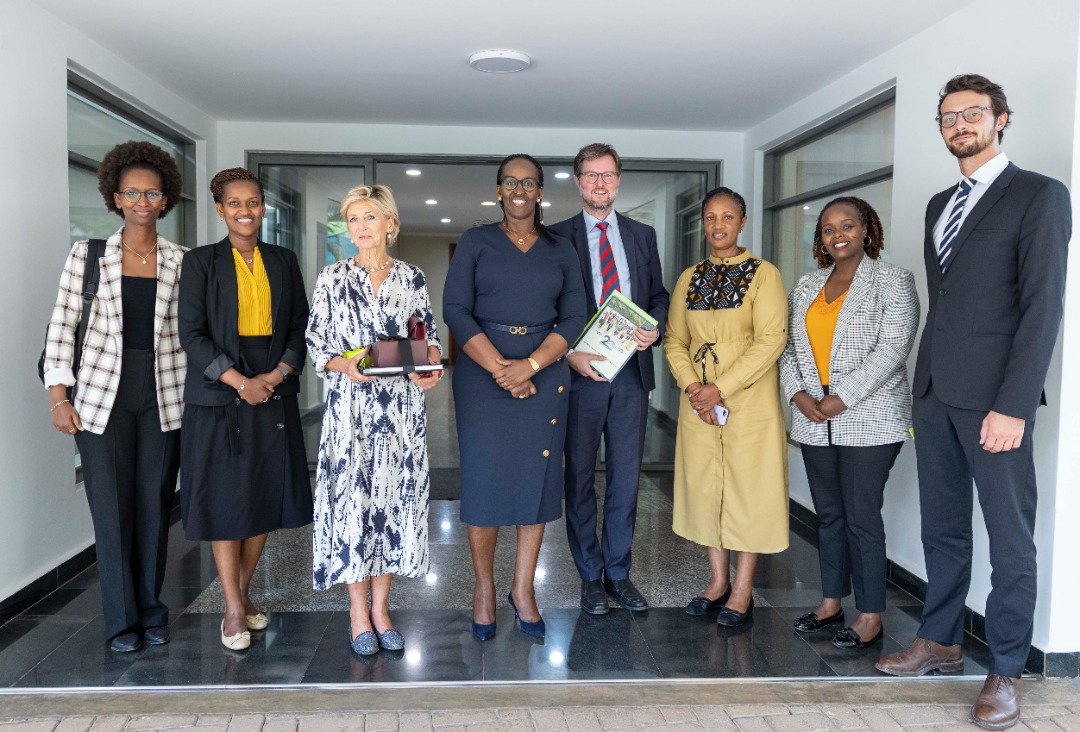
{"x":810,"y":622}
{"x":847,"y":638}
{"x":702,"y":605}
{"x":733,"y":618}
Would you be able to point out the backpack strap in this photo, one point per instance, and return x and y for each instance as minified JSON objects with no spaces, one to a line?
{"x":91,"y":276}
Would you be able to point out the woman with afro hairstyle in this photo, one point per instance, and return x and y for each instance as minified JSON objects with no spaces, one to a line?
{"x":125,"y":404}
{"x":852,"y":325}
{"x":243,"y":311}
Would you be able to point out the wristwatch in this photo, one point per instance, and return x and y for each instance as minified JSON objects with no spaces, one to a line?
{"x":284,"y":371}
{"x":534,"y":364}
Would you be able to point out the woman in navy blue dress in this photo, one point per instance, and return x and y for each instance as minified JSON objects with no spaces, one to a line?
{"x":514,"y":298}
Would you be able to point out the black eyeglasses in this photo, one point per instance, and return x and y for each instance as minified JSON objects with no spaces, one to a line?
{"x":132,"y":196}
{"x":529,"y":184}
{"x":971,"y":116}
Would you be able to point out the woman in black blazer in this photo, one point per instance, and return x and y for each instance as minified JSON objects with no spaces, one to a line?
{"x":243,"y":310}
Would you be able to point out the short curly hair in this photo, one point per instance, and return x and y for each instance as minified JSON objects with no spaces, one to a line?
{"x":868,"y":217}
{"x":139,"y":155}
{"x":233,"y":175}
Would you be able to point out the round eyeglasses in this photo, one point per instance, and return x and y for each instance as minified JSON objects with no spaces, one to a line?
{"x":529,"y":184}
{"x":132,"y":196}
{"x":971,"y":116}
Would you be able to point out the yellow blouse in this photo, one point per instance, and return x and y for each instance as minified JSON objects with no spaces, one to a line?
{"x":253,"y":296}
{"x":820,"y":324}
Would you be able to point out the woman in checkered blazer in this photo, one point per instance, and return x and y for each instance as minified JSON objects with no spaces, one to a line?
{"x":126,"y":406}
{"x":852,"y":326}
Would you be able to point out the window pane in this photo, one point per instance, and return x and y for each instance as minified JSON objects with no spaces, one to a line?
{"x":93,"y":130}
{"x":793,"y":249}
{"x":859,"y":147}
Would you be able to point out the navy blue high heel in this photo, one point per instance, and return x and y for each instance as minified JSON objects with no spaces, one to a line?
{"x":536,"y":630}
{"x":483,"y":631}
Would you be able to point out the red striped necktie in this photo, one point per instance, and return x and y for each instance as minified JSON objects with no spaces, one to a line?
{"x":608,"y":272}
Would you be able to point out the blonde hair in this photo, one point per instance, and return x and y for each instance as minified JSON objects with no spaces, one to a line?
{"x":381,"y":199}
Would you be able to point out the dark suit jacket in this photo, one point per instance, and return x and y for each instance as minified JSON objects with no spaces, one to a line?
{"x":208,"y":313}
{"x":995,"y":312}
{"x":643,"y":259}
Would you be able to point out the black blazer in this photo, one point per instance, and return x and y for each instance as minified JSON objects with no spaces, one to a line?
{"x":209,"y":312}
{"x":995,"y":312}
{"x":646,"y":282}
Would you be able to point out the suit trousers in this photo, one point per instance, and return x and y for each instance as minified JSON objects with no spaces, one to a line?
{"x":847,"y":485}
{"x":949,"y":457}
{"x":617,"y":411}
{"x":130,"y":476}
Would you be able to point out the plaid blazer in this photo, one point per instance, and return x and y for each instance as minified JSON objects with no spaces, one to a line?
{"x":103,"y":345}
{"x":868,"y":364}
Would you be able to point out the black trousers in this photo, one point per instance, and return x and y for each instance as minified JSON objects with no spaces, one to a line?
{"x":847,"y":485}
{"x":130,"y":476}
{"x":949,"y":457}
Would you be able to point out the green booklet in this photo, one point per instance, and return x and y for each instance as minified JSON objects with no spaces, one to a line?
{"x":610,"y":333}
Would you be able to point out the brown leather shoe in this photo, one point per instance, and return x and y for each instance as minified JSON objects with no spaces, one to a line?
{"x":921,"y":656}
{"x":998,"y":705}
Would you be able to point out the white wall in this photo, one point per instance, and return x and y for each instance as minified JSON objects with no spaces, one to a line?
{"x":45,"y":520}
{"x":1034,"y":56}
{"x":432,"y":255}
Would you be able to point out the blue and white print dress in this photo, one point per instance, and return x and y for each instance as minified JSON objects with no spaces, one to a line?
{"x":371,"y":484}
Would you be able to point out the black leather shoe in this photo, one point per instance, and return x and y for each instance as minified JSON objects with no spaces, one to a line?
{"x":126,"y":642}
{"x":626,"y":594}
{"x":733,"y":618}
{"x":848,"y":638}
{"x":810,"y":622}
{"x":157,"y":635}
{"x":703,"y":605}
{"x":593,"y":599}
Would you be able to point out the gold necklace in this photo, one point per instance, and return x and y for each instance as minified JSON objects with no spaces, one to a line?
{"x":521,"y":237}
{"x":143,"y":257}
{"x":251,"y":262}
{"x":376,"y":268}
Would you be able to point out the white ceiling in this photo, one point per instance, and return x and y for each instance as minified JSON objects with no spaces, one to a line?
{"x":642,"y":64}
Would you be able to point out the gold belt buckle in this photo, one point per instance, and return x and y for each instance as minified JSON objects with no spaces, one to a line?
{"x":518,"y":329}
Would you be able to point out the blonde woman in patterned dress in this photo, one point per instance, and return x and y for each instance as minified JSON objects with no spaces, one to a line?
{"x":726,"y":327}
{"x":371,"y":486}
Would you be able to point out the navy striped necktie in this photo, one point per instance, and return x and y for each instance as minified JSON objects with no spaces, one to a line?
{"x":609,"y":274}
{"x":952,"y":226}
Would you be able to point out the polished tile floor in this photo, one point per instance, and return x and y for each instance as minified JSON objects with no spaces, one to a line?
{"x":58,"y":642}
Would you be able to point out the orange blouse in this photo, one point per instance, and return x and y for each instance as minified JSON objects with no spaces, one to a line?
{"x":820,"y":323}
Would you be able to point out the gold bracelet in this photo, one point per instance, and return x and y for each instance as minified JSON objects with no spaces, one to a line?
{"x":534,"y":364}
{"x":62,"y":401}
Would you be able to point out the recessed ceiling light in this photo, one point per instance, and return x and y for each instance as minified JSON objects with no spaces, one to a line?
{"x":445,"y":221}
{"x":545,"y":204}
{"x":487,"y":203}
{"x":412,"y":171}
{"x":562,"y":175}
{"x":805,"y":208}
{"x":431,"y":202}
{"x":499,"y":61}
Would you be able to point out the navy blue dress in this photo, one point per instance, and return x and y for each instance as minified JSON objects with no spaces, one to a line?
{"x":511,"y":449}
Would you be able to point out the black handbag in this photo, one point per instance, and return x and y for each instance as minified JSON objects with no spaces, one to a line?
{"x":91,"y":275}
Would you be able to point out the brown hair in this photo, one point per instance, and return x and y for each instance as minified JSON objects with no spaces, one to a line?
{"x":594,"y":151}
{"x":867,"y":216}
{"x":980,"y":85}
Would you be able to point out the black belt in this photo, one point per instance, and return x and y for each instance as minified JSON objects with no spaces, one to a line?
{"x":517,"y":329}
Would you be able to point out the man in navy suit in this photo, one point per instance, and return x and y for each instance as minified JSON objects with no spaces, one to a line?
{"x":617,"y":253}
{"x":995,"y":251}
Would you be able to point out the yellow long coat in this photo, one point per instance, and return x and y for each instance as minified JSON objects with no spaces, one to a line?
{"x":731,"y":482}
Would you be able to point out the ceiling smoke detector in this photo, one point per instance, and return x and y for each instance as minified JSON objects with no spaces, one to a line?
{"x":499,"y":61}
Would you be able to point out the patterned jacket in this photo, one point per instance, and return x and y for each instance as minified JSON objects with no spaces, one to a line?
{"x":103,"y":346}
{"x":868,"y":364}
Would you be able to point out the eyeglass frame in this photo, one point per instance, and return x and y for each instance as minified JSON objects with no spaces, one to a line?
{"x":523,"y":182}
{"x":132,"y":196}
{"x":592,"y":176}
{"x":962,"y":113}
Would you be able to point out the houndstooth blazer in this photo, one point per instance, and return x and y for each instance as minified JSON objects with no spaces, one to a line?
{"x":103,"y":344}
{"x":868,"y":364}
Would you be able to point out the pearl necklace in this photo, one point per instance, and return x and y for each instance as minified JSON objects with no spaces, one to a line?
{"x":376,"y":268}
{"x":143,"y":257}
{"x":520,"y":237}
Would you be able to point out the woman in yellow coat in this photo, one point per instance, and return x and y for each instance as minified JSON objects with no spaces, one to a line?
{"x":726,"y":328}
